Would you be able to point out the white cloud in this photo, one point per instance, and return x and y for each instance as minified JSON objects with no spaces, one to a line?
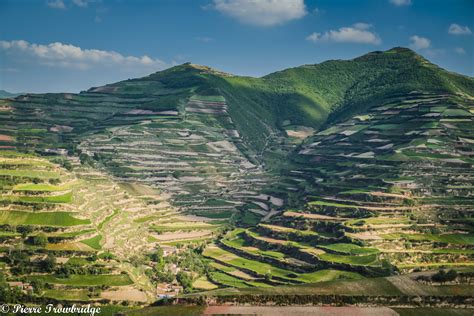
{"x":400,"y":2}
{"x":358,"y":33}
{"x":418,"y":42}
{"x":56,"y":4}
{"x":66,"y":55}
{"x":81,"y":3}
{"x":362,"y":26}
{"x":460,"y":50}
{"x":262,"y":12}
{"x":457,"y":29}
{"x":313,"y":37}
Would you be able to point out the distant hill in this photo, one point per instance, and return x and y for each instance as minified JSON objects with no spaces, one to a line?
{"x":5,"y":94}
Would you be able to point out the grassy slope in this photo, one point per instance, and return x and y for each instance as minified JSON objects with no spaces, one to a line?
{"x":40,"y":218}
{"x":312,"y":94}
{"x":87,"y":280}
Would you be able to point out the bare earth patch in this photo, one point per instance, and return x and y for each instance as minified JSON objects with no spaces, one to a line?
{"x":203,"y":284}
{"x":298,"y":311}
{"x":300,"y":133}
{"x":366,"y":236}
{"x":77,"y":246}
{"x":125,"y":293}
{"x":182,"y":236}
{"x":194,"y":218}
{"x":5,"y":138}
{"x":61,"y":128}
{"x":315,"y":216}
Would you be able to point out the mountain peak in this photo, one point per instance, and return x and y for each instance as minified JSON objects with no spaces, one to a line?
{"x":400,"y":49}
{"x":402,"y":52}
{"x":188,"y":66}
{"x":398,"y":52}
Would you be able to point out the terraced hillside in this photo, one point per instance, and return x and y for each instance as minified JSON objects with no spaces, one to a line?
{"x":401,"y":177}
{"x":343,"y":170}
{"x":190,"y":154}
{"x":158,"y":131}
{"x":395,"y":295}
{"x":82,"y":228}
{"x":390,"y":189}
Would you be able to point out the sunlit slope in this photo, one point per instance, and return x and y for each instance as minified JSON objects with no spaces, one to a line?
{"x":214,"y":140}
{"x":259,"y":108}
{"x":93,"y":227}
{"x":398,"y":178}
{"x":306,"y":95}
{"x":389,"y":189}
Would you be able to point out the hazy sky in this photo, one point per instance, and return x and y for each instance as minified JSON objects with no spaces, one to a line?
{"x":71,"y":45}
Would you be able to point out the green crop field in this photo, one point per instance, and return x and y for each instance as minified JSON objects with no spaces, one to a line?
{"x":350,"y":249}
{"x":41,"y":187}
{"x":461,"y":239}
{"x":256,"y":267}
{"x":29,"y":174}
{"x":63,"y":198}
{"x":79,"y":261}
{"x":107,"y":219}
{"x":87,"y":280}
{"x":376,"y":286}
{"x":365,"y":260}
{"x":227,"y":280}
{"x":40,"y":218}
{"x":234,"y":240}
{"x":93,"y":242}
{"x":328,"y":275}
{"x":70,"y":295}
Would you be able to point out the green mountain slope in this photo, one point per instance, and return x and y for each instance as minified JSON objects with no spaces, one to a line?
{"x":312,"y":95}
{"x":253,"y":115}
{"x":340,"y":170}
{"x":385,"y":184}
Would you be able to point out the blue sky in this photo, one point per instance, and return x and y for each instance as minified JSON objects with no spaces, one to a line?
{"x":71,"y":45}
